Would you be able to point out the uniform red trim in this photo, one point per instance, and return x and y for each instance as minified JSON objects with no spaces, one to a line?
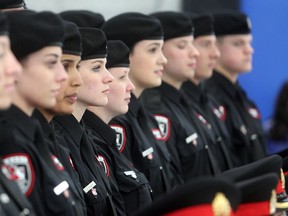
{"x":254,"y":209}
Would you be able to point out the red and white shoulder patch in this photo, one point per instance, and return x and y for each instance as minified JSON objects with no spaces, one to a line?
{"x":164,"y":126}
{"x":104,"y":164}
{"x":120,"y":136}
{"x":220,"y":112}
{"x":254,"y":113}
{"x":57,"y":163}
{"x":22,"y":169}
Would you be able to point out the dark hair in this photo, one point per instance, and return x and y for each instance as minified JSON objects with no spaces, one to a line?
{"x":279,"y":127}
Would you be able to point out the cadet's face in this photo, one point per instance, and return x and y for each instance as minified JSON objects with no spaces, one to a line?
{"x":120,"y":91}
{"x":146,"y":64}
{"x":42,"y":76}
{"x":9,"y":69}
{"x":236,"y":53}
{"x":69,"y":89}
{"x":96,"y":79}
{"x":208,"y":56}
{"x":181,"y":55}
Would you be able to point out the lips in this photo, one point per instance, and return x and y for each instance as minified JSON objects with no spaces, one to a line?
{"x":106,"y":91}
{"x":72,"y":97}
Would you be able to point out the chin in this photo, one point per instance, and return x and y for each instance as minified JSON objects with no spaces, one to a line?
{"x":5,"y":103}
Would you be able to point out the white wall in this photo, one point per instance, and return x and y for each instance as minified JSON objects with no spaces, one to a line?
{"x":107,"y":8}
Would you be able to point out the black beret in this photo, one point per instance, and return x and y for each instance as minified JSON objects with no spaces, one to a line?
{"x":83,"y":18}
{"x":132,"y":27}
{"x":203,"y":24}
{"x":9,"y":4}
{"x":258,"y":196}
{"x":118,"y":54}
{"x":93,"y":43}
{"x":31,"y":31}
{"x":174,"y":24}
{"x":72,"y":39}
{"x":4,"y":28}
{"x":202,"y":196}
{"x":230,"y":23}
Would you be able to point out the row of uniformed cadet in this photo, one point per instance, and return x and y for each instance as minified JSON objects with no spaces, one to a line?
{"x":68,"y":146}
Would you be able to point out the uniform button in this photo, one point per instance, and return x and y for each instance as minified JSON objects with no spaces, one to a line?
{"x":206,"y":146}
{"x":24,"y":212}
{"x":253,"y":137}
{"x":161,"y":167}
{"x":219,"y":139}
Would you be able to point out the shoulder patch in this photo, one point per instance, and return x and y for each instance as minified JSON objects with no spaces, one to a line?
{"x":57,"y":163}
{"x":254,"y":113}
{"x":220,"y":112}
{"x":23,"y":170}
{"x":120,"y":136}
{"x":164,"y":126}
{"x":104,"y":164}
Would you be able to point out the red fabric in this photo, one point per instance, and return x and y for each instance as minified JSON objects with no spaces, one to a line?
{"x":279,"y":188}
{"x":204,"y":209}
{"x":253,"y":209}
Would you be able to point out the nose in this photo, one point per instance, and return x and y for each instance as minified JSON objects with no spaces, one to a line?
{"x":108,"y":78}
{"x":76,"y":79}
{"x":216,"y":52}
{"x":193,"y":51}
{"x":162,"y":59}
{"x":130,"y":86}
{"x":61,"y":74}
{"x":12,"y":66}
{"x":249,"y":49}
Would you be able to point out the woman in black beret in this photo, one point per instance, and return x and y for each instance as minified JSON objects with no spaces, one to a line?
{"x":36,"y":40}
{"x":140,"y":140}
{"x":133,"y":185}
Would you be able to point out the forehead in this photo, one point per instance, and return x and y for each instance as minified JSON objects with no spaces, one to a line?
{"x":243,"y":37}
{"x":146,"y":43}
{"x":205,"y":38}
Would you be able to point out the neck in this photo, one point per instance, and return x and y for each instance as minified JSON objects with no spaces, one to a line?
{"x":175,"y":83}
{"x":79,"y":110}
{"x":47,"y":115}
{"x":195,"y":81}
{"x":228,"y":74}
{"x":22,"y":104}
{"x":102,"y":113}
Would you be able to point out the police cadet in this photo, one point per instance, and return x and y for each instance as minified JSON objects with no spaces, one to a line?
{"x":133,"y":185}
{"x":71,"y":56}
{"x":36,"y":40}
{"x":102,"y":193}
{"x":12,"y":201}
{"x":198,"y":100}
{"x":180,"y":131}
{"x":136,"y":130}
{"x":242,"y":118}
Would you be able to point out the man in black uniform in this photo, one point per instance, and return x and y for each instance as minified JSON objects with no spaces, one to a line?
{"x":198,"y":100}
{"x":133,"y":185}
{"x":36,"y":40}
{"x":102,"y":193}
{"x":242,"y":118}
{"x":136,"y":129}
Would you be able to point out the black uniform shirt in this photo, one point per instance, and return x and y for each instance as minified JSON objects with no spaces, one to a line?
{"x":214,"y":128}
{"x":179,"y":131}
{"x":133,"y":141}
{"x":132,"y":184}
{"x":31,"y":162}
{"x":61,"y":153}
{"x":94,"y":182}
{"x":242,"y":119}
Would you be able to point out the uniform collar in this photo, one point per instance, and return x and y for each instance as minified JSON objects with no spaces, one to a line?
{"x":134,"y":105}
{"x":71,"y":126}
{"x":193,"y":91}
{"x":23,"y":122}
{"x":170,"y":92}
{"x":100,"y":127}
{"x":227,"y":85}
{"x":46,"y":127}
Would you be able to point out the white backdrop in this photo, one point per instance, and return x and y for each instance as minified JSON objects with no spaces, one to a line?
{"x":107,"y":8}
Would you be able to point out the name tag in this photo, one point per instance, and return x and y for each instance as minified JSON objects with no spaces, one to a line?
{"x":60,"y":188}
{"x":89,"y":187}
{"x":130,"y":173}
{"x":147,"y":152}
{"x":191,"y":138}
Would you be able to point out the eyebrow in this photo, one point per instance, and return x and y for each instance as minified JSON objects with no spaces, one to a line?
{"x":53,"y":55}
{"x":154,"y":44}
{"x":95,"y":61}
